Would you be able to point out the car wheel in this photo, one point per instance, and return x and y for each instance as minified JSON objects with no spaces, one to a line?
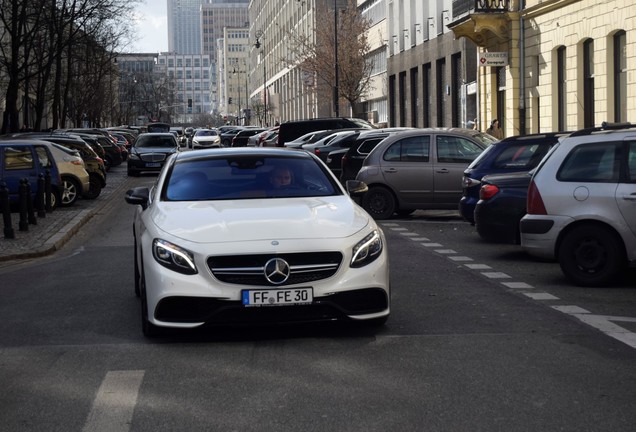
{"x":591,"y":255}
{"x":95,"y":187}
{"x":149,"y":329}
{"x":379,"y":202}
{"x":70,"y":193}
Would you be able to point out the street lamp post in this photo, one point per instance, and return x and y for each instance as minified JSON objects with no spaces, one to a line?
{"x":235,"y":72}
{"x":257,"y":45}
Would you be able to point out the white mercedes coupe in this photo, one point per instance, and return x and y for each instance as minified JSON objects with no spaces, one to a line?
{"x":240,"y":236}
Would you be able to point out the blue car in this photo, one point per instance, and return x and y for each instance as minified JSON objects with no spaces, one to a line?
{"x":20,"y":159}
{"x":515,"y":154}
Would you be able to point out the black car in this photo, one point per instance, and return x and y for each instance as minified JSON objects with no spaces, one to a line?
{"x":240,"y":139}
{"x":151,"y":151}
{"x":292,"y":129}
{"x":501,"y":205}
{"x":351,"y":161}
{"x":228,"y":135}
{"x":514,"y":154}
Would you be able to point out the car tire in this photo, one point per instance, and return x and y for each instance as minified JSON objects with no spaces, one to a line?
{"x":95,"y":187}
{"x":591,"y":255}
{"x":70,"y":192}
{"x":379,"y":202}
{"x":149,"y":329}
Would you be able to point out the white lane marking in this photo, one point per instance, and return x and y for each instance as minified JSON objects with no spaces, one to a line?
{"x":478,"y":266}
{"x":445,"y":251}
{"x":409,"y":234}
{"x":603,"y":323}
{"x":541,"y":296}
{"x":460,"y":258}
{"x":571,"y":310}
{"x":399,"y":229}
{"x":496,"y":275}
{"x":390,"y":224}
{"x":115,"y":402}
{"x":517,"y":285}
{"x":431,"y":244}
{"x":423,"y":239}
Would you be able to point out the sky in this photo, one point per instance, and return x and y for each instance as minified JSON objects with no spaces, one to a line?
{"x":151,"y":26}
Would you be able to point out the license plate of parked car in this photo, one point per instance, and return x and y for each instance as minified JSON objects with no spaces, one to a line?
{"x":277,"y":297}
{"x":153,"y":164}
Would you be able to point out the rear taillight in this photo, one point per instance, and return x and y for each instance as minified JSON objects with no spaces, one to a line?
{"x":535,"y":202}
{"x":488,"y":191}
{"x":317,"y":152}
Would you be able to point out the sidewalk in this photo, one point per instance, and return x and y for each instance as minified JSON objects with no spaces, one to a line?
{"x":57,"y":227}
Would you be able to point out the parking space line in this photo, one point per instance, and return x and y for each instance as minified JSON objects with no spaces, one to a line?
{"x":496,"y":275}
{"x":431,"y":244}
{"x":115,"y":402}
{"x":478,"y":266}
{"x":445,"y":251}
{"x":517,"y":285}
{"x":460,"y":258}
{"x":540,"y":296}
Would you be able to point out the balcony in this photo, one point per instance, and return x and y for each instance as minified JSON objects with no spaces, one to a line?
{"x":480,"y":20}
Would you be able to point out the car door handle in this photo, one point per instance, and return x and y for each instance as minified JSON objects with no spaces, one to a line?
{"x":390,"y":170}
{"x":631,"y":197}
{"x":442,"y":171}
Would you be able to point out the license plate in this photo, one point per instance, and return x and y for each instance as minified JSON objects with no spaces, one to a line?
{"x":277,"y":297}
{"x":152,"y":164}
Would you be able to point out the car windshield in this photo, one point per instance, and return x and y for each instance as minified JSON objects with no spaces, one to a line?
{"x":485,"y":139}
{"x":206,"y":133}
{"x":247,"y":177}
{"x":156,"y":141}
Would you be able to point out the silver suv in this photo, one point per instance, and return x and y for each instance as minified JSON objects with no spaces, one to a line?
{"x":581,"y":206}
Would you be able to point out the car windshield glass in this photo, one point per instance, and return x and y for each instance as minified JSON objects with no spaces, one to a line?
{"x":156,"y":141}
{"x":206,"y":133}
{"x":247,"y":177}
{"x":484,"y":139}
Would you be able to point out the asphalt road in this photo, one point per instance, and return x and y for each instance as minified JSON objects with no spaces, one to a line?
{"x":474,"y":343}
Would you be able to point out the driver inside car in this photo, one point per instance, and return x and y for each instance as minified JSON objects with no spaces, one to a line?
{"x":281,"y":177}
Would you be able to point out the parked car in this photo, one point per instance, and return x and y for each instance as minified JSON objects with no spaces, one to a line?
{"x":93,"y":164}
{"x":151,"y":151}
{"x":513,"y":154}
{"x":181,"y":137}
{"x":240,"y":139}
{"x":337,"y":140}
{"x":228,"y":135}
{"x":28,"y":159}
{"x":112,"y":152}
{"x":581,"y":206}
{"x":206,"y":138}
{"x":253,"y":249}
{"x":501,"y":205}
{"x":308,"y":138}
{"x":75,"y":178}
{"x":292,"y":129}
{"x":419,"y":169}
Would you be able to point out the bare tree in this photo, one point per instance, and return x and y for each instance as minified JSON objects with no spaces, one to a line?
{"x":316,"y":53}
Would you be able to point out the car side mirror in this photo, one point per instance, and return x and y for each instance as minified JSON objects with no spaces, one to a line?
{"x":138,"y":196}
{"x":356,"y":187}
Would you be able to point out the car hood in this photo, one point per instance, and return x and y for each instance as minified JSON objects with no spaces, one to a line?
{"x":260,"y":219}
{"x":144,"y":150}
{"x":207,"y":138}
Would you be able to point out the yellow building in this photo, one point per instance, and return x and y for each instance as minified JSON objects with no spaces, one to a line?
{"x":577,"y":58}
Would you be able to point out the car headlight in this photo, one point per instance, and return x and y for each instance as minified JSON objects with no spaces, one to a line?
{"x":367,"y":250}
{"x":173,"y":257}
{"x":134,"y":156}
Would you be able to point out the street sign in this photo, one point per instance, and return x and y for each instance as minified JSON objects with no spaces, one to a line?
{"x":493,"y":59}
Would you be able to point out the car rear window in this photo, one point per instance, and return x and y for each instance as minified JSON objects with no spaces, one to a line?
{"x":591,"y":163}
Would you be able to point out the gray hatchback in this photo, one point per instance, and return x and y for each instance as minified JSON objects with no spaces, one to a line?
{"x":419,"y":169}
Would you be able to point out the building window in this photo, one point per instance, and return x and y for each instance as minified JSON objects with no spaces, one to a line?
{"x":620,"y":77}
{"x":402,"y":98}
{"x":501,"y":95}
{"x":561,"y":89}
{"x":414,"y":97}
{"x":426,"y":95}
{"x":441,"y":90}
{"x":456,"y":79}
{"x":588,"y":83}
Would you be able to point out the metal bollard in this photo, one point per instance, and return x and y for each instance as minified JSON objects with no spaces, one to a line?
{"x":23,"y":224}
{"x":9,"y":233}
{"x":39,"y":200}
{"x":30,"y":210}
{"x":47,"y":191}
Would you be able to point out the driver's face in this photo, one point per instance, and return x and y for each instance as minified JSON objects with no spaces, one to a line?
{"x":281,"y":177}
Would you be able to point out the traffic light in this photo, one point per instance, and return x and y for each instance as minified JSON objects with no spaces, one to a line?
{"x":189,"y":103}
{"x":229,"y":101}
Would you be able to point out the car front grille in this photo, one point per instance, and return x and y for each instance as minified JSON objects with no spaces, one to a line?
{"x":153,"y":157}
{"x":250,"y":269}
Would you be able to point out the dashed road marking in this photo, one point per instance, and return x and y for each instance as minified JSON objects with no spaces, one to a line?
{"x":606,"y":324}
{"x":114,"y":404}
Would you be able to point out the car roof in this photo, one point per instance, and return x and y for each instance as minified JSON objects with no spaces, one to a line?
{"x":243,"y":151}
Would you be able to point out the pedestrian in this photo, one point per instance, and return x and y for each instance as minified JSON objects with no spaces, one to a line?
{"x":494,"y":129}
{"x":475,"y":124}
